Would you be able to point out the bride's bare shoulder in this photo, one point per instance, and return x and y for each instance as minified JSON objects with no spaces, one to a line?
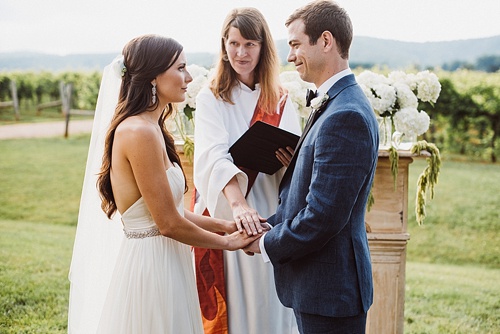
{"x":135,"y":128}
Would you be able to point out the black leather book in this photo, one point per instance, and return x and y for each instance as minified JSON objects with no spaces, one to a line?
{"x":256,"y":148}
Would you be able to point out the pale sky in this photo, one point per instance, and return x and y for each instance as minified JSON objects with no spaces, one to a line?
{"x":101,"y":26}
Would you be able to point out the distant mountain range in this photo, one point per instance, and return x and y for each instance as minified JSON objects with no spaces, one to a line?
{"x":364,"y":50}
{"x":400,"y":55}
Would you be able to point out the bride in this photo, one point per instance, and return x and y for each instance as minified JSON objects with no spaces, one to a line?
{"x":140,"y":280}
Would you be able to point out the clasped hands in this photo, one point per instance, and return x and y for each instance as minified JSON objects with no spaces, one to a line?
{"x":248,"y":221}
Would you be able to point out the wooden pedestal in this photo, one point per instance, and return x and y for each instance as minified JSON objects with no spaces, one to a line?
{"x":388,"y":220}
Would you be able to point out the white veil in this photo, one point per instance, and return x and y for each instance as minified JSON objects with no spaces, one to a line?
{"x":97,"y":239}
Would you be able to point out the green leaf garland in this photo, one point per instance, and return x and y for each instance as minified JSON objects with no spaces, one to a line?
{"x":394,"y":159}
{"x":428,"y":179}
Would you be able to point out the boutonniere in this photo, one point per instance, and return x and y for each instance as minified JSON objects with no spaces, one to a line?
{"x":319,"y":101}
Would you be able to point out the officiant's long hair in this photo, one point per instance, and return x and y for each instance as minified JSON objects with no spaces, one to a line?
{"x":144,"y":58}
{"x":252,"y":26}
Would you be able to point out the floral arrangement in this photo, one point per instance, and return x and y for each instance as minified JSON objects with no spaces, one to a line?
{"x":395,"y":98}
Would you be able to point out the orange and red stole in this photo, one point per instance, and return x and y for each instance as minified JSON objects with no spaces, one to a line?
{"x":209,"y":263}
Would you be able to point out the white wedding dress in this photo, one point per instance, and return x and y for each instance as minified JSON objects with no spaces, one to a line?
{"x":153,"y":287}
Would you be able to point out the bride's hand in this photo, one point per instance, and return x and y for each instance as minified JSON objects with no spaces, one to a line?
{"x":239,"y":240}
{"x":227,"y":226}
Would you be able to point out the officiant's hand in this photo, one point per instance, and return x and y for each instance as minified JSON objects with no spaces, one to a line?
{"x":248,"y":219}
{"x":285,"y":155}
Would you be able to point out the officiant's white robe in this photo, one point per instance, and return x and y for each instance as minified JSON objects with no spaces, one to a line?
{"x":253,"y":306}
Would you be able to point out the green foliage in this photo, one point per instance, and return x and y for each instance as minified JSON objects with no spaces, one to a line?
{"x":5,"y":88}
{"x":47,"y":87}
{"x":38,"y":87}
{"x":188,"y":148}
{"x":466,"y":117}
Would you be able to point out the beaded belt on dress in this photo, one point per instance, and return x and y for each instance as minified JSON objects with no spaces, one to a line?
{"x":152,"y":232}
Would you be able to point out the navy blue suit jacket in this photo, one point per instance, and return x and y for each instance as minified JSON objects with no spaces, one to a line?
{"x":318,"y":244}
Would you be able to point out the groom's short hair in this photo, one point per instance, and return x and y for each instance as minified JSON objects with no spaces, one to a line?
{"x":325,"y":15}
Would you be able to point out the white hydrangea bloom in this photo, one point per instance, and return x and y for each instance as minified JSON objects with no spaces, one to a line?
{"x":423,"y":122}
{"x":197,"y":71}
{"x":404,"y":96}
{"x":398,"y":77}
{"x":194,"y":88}
{"x":370,"y":79}
{"x":378,"y":91}
{"x":385,"y":97}
{"x":428,"y":87}
{"x":410,"y":121}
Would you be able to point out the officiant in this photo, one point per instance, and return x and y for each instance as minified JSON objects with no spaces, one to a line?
{"x":237,"y":292}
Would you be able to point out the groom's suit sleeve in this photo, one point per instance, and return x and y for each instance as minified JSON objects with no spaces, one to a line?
{"x":342,"y":162}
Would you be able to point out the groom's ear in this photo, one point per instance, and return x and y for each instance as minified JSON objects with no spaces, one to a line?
{"x":327,"y":40}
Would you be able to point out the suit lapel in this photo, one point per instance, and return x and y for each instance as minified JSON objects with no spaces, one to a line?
{"x":314,"y":116}
{"x":335,"y":90}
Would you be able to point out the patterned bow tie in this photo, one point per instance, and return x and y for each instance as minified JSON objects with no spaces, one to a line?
{"x":311,"y":94}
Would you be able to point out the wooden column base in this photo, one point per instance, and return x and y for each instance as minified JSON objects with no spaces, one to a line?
{"x":388,"y":253}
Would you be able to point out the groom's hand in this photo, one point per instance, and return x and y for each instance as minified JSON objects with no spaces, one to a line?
{"x":253,"y":247}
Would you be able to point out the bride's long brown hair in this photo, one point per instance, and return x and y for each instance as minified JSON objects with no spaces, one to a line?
{"x":145,"y":57}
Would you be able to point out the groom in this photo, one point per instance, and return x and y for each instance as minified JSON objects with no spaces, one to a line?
{"x":318,"y":243}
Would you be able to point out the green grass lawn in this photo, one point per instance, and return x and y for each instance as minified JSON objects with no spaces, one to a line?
{"x":453,"y":269}
{"x":451,"y":299}
{"x":41,"y":179}
{"x":463,"y":224}
{"x":34,"y":265}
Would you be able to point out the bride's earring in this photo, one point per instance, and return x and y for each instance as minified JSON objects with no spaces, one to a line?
{"x":153,"y":90}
